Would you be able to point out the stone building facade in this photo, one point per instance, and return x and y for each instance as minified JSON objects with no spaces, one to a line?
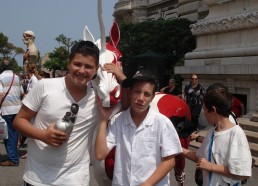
{"x":132,"y":11}
{"x":227,"y":40}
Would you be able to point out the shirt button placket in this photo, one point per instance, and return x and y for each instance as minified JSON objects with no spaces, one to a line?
{"x":133,"y":154}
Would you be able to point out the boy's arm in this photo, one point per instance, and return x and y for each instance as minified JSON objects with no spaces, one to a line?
{"x":101,"y":149}
{"x":161,"y":171}
{"x":220,"y":169}
{"x":162,"y":90}
{"x":191,"y":155}
{"x":49,"y":135}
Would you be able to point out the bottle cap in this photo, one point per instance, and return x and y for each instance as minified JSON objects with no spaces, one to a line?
{"x":67,"y":116}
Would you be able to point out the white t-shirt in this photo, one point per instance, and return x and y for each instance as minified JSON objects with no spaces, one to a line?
{"x":139,"y":150}
{"x":12,"y":102}
{"x":33,"y":80}
{"x":69,"y":164}
{"x":230,"y":148}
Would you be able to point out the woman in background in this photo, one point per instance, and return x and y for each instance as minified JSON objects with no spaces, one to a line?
{"x":32,"y":73}
{"x":193,"y":95}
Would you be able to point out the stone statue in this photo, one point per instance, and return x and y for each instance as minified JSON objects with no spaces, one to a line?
{"x":31,"y":54}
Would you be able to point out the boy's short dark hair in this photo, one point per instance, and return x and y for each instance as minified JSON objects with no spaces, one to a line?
{"x":140,"y":75}
{"x":216,"y":85}
{"x":218,"y":96}
{"x":85,"y":48}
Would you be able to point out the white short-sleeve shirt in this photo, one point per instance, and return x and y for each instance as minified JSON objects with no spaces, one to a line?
{"x":230,"y":148}
{"x":12,"y":102}
{"x":68,"y":164}
{"x":33,"y":80}
{"x":139,"y":150}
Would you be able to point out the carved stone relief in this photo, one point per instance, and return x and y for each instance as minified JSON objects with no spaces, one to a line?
{"x":243,"y":21}
{"x":215,"y":2}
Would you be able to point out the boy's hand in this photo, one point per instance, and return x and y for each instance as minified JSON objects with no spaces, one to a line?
{"x":105,"y":112}
{"x":54,"y":137}
{"x":116,"y":70}
{"x":202,"y":163}
{"x":193,"y":136}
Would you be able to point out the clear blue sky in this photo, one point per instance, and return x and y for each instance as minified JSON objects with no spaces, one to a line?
{"x":50,"y":18}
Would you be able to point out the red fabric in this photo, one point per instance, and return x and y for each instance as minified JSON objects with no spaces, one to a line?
{"x":170,"y":106}
{"x":110,"y":163}
{"x":236,"y":107}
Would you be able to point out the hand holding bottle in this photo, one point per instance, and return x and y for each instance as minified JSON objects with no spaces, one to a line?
{"x":66,"y":123}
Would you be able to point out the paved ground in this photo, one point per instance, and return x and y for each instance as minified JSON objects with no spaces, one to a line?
{"x":12,"y":176}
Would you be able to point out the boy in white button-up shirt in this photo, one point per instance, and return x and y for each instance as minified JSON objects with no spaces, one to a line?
{"x":146,"y":141}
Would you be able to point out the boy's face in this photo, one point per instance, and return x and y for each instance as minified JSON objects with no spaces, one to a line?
{"x":141,"y":96}
{"x":82,"y":69}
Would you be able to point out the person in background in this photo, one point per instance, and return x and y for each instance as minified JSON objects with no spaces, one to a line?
{"x":146,"y":141}
{"x":193,"y":95}
{"x":10,"y":107}
{"x":220,"y":165}
{"x":43,"y":74}
{"x":32,"y":73}
{"x":24,"y":82}
{"x":54,"y":157}
{"x":171,"y":88}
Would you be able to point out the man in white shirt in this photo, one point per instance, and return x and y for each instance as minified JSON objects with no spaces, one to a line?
{"x":10,"y":107}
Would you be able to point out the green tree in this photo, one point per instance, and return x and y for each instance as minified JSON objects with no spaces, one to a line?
{"x":65,"y":41}
{"x":59,"y":57}
{"x":8,"y":50}
{"x":172,"y":38}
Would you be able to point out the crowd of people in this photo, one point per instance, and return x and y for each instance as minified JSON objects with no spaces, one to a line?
{"x":146,"y":141}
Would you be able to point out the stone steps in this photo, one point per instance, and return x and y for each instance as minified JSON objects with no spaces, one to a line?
{"x":251,"y":130}
{"x":248,"y":125}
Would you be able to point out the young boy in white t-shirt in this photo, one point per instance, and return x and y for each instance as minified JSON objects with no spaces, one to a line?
{"x":146,"y":141}
{"x":224,"y":155}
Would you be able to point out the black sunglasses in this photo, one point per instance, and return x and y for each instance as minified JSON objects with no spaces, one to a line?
{"x":74,"y":111}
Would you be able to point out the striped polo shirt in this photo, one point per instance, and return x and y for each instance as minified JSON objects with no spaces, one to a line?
{"x":12,"y":102}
